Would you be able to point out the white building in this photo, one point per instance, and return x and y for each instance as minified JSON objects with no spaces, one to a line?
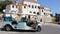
{"x":46,"y":15}
{"x":29,"y":7}
{"x":25,"y":7}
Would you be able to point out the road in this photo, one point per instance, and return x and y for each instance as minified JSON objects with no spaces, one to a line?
{"x":46,"y":29}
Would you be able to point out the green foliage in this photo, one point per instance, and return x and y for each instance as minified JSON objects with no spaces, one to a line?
{"x":3,"y":4}
{"x":53,"y":20}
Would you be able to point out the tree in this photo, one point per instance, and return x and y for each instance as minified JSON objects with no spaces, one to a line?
{"x":3,"y":4}
{"x":51,"y":15}
{"x":53,"y":19}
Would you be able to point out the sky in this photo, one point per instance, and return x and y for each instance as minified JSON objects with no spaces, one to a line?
{"x":54,"y":5}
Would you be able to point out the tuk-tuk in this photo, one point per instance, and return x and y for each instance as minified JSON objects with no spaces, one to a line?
{"x":10,"y":24}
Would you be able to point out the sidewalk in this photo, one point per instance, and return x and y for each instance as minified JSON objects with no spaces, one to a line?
{"x":51,"y":24}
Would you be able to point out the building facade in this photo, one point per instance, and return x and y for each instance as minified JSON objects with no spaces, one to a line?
{"x":46,"y":15}
{"x":30,"y":8}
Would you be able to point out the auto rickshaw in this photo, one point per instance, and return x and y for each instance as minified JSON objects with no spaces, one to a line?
{"x":10,"y":24}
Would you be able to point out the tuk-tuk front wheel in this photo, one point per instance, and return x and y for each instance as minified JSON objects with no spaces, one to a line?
{"x":8,"y":28}
{"x":38,"y":29}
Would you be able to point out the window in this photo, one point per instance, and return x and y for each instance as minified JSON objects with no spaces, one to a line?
{"x":34,"y":12}
{"x":44,"y":13}
{"x":13,"y":6}
{"x":16,"y":6}
{"x":42,"y":10}
{"x":32,"y":6}
{"x":40,"y":20}
{"x":38,"y":7}
{"x":28,"y":5}
{"x":24,"y":6}
{"x":30,"y":11}
{"x":35,"y":6}
{"x":37,"y":13}
{"x":29,"y":16}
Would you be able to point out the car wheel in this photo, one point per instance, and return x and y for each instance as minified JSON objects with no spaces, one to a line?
{"x":38,"y":29}
{"x":8,"y":28}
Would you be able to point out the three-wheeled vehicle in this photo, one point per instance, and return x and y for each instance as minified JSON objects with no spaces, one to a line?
{"x":10,"y":24}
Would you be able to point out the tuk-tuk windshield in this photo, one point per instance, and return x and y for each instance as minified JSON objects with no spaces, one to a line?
{"x":8,"y":19}
{"x":23,"y":19}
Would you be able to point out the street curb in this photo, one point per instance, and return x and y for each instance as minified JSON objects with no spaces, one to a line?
{"x":51,"y":24}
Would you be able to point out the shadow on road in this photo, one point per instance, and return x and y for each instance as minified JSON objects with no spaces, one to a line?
{"x":2,"y":29}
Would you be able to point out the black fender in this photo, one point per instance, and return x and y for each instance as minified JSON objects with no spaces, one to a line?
{"x":8,"y":25}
